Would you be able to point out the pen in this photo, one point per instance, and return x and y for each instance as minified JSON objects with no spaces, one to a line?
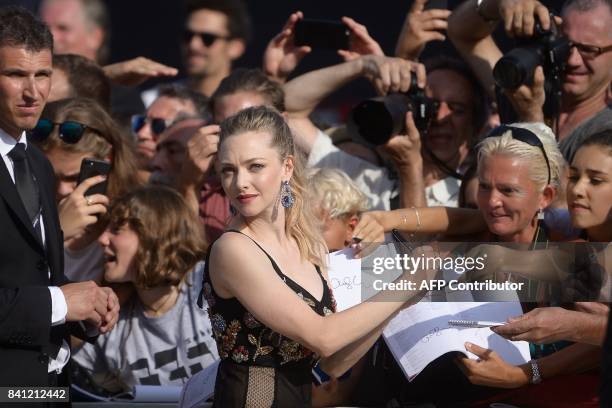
{"x":474,"y":323}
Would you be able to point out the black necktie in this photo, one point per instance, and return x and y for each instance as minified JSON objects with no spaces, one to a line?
{"x":26,"y":185}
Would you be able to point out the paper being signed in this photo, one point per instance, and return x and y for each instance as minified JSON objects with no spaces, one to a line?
{"x":344,"y":274}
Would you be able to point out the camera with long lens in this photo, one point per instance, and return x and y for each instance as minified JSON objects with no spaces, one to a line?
{"x":376,"y":120}
{"x":547,"y":48}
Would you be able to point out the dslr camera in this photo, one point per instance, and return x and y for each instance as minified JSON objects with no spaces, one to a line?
{"x":547,"y":48}
{"x":376,"y":120}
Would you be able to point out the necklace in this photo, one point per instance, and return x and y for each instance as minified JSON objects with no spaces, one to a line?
{"x":155,"y":311}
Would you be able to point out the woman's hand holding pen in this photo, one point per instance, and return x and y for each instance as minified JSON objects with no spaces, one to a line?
{"x":368,"y":235}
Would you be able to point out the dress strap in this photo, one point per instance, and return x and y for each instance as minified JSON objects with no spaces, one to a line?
{"x":320,"y":275}
{"x":274,"y":265}
{"x":295,"y":286}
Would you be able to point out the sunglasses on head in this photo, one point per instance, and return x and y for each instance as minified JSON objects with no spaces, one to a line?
{"x":69,"y":131}
{"x":522,"y":135}
{"x":208,"y":39}
{"x":158,"y":125}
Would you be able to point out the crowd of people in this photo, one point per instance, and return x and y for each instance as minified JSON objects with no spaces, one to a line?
{"x":205,"y":241}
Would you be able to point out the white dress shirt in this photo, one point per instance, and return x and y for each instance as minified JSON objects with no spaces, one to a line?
{"x":59,"y":308}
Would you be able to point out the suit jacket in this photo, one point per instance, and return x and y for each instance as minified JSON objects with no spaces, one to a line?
{"x":27,"y":339}
{"x":606,"y":378}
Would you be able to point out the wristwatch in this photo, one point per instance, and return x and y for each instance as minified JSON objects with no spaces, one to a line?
{"x":481,"y":14}
{"x":536,"y":378}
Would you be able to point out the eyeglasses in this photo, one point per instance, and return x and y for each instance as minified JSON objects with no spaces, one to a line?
{"x":590,"y":51}
{"x":158,"y":125}
{"x":69,"y":131}
{"x":522,"y":135}
{"x":208,"y":39}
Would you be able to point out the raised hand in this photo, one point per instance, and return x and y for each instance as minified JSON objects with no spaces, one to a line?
{"x":201,"y":152}
{"x":135,"y":71}
{"x":420,"y":27}
{"x":361,"y":42}
{"x":528,"y":100}
{"x":77,"y":212}
{"x":405,"y":150}
{"x":282,"y":55}
{"x":389,"y":74}
{"x":519,"y":16}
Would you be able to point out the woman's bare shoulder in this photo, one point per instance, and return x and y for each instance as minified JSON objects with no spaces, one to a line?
{"x":231,"y":244}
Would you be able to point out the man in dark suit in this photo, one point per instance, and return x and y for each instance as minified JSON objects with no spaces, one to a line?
{"x":606,"y":376}
{"x":39,"y":308}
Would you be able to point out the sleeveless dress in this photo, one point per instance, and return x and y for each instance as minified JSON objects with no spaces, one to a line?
{"x":260,"y":367}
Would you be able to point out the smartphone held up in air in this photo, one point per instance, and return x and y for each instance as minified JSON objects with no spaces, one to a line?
{"x":322,"y":34}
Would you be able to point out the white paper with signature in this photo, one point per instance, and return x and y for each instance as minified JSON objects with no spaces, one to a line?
{"x":344,"y":273}
{"x":420,"y":334}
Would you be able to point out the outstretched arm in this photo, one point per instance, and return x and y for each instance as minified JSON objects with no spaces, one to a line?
{"x":304,"y":93}
{"x":492,"y":371}
{"x":427,"y":220}
{"x":546,"y":325}
{"x":239,"y":269}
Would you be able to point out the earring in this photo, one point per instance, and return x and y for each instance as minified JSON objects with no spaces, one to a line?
{"x":286,"y":195}
{"x":540,"y":214}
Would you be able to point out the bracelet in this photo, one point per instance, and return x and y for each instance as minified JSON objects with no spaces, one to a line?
{"x":536,"y":378}
{"x":418,"y":218}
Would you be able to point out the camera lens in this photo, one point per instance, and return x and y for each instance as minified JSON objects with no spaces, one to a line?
{"x":373,"y":121}
{"x":508,"y":74}
{"x":378,"y":119}
{"x":516,"y":68}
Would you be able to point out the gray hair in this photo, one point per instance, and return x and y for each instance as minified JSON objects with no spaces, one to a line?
{"x":584,"y":5}
{"x":95,"y":14}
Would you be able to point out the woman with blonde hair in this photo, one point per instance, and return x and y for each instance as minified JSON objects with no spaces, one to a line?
{"x":269,"y":304}
{"x":519,"y":170}
{"x":69,"y":131}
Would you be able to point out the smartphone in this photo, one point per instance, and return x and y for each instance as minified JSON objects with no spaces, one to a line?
{"x":436,"y":4}
{"x":322,"y":34}
{"x":94,"y":167}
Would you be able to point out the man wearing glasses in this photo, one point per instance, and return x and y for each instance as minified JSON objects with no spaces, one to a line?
{"x":173,"y":100}
{"x":215,"y":34}
{"x":588,"y":26}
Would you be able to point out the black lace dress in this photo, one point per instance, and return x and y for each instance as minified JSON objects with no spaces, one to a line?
{"x":260,"y":367}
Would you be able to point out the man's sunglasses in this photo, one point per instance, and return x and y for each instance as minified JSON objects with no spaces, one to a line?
{"x":158,"y":125}
{"x":522,"y":135}
{"x":208,"y":39}
{"x":69,"y":131}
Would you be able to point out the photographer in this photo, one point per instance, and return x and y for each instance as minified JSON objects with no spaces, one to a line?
{"x":584,"y":108}
{"x":423,"y":180}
